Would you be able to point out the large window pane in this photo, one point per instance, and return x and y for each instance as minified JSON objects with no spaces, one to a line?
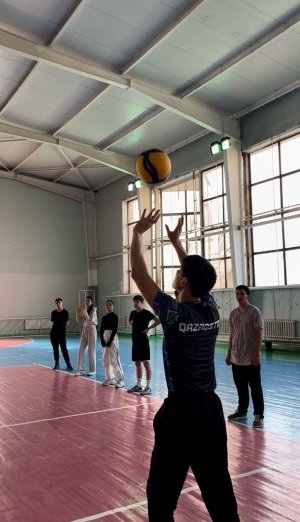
{"x":228,"y":264}
{"x":291,"y":190}
{"x":267,"y":237}
{"x":173,"y":200}
{"x":214,"y":246}
{"x":170,"y":257}
{"x":265,"y":197}
{"x":268,"y":269}
{"x":169,"y":275}
{"x":213,"y":211}
{"x":291,"y":232}
{"x":192,"y":201}
{"x":290,"y":154}
{"x":292,"y":267}
{"x":264,"y":164}
{"x":212,"y":183}
{"x":133,"y":211}
{"x":220,"y":269}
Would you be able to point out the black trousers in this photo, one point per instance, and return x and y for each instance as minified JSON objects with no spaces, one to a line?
{"x":190,"y":431}
{"x":243,"y":377}
{"x":56,"y":341}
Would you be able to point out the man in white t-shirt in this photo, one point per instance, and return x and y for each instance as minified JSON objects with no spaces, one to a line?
{"x":245,"y":337}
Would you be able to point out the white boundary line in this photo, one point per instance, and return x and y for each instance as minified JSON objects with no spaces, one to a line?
{"x":144,"y":502}
{"x":70,"y":416}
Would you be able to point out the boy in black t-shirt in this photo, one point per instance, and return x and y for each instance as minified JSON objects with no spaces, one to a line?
{"x":189,"y":427}
{"x":139,"y":320}
{"x":60,"y":321}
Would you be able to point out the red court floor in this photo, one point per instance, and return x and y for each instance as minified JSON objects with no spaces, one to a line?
{"x":73,"y":450}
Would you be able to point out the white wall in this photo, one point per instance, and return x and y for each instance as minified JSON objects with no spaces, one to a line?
{"x":42,"y":252}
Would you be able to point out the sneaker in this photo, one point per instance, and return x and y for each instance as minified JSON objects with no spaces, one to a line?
{"x":56,"y":366}
{"x":258,"y":421}
{"x":120,"y":384}
{"x":237,"y":415}
{"x":135,"y":389}
{"x":109,"y":382}
{"x":91,"y":373}
{"x":79,"y":373}
{"x":146,"y":391}
{"x":69,"y":367}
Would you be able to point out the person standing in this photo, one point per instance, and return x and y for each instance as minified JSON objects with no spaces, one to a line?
{"x":245,"y":338}
{"x":60,"y":321}
{"x":189,"y":427}
{"x":110,"y":347}
{"x":87,"y":316}
{"x":139,"y":320}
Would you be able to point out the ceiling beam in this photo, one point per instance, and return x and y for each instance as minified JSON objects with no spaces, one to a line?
{"x":136,"y":59}
{"x":114,"y":160}
{"x":66,"y":20}
{"x":241,"y":56}
{"x":76,"y":193}
{"x":199,"y":114}
{"x":194,"y":112}
{"x":41,"y":53}
{"x":117,"y":161}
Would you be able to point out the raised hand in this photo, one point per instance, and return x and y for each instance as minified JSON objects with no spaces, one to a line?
{"x":146,"y":222}
{"x":174,"y":235}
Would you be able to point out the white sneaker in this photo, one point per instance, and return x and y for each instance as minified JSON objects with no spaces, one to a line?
{"x":79,"y":373}
{"x":120,"y":384}
{"x":109,"y":382}
{"x":91,"y":373}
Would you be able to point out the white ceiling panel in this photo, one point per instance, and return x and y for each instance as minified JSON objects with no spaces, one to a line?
{"x":285,"y":50}
{"x":46,"y":156}
{"x":220,"y":101}
{"x":34,"y":19}
{"x":13,"y":153}
{"x":53,"y":85}
{"x":242,"y":21}
{"x":260,"y":70}
{"x":237,"y":88}
{"x":73,"y":179}
{"x":128,"y":96}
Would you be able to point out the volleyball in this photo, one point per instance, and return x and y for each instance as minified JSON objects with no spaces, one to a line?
{"x":153,"y":166}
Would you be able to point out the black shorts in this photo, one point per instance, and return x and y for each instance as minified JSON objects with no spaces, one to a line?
{"x":141,"y":349}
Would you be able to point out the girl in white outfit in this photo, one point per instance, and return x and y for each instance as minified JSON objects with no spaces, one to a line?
{"x":87,"y":316}
{"x":110,"y":348}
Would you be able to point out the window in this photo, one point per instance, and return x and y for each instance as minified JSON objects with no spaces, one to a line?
{"x":275,"y":213}
{"x":205,"y":229}
{"x":214,"y":224}
{"x":182,"y":198}
{"x":130,"y":217}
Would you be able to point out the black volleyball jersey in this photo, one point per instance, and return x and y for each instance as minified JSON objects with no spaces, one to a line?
{"x":190,"y":333}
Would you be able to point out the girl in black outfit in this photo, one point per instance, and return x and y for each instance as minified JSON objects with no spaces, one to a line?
{"x":110,"y":347}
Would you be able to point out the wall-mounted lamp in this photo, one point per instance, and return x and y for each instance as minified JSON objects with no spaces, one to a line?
{"x":134,"y":185}
{"x":217,"y":146}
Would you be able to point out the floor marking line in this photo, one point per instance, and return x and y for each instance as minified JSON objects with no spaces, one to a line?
{"x":70,"y":416}
{"x":144,"y":502}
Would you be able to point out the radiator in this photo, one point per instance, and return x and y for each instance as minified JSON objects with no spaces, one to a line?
{"x":273,"y":329}
{"x":279,"y":329}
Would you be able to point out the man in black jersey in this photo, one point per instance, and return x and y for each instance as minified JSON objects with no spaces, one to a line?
{"x":189,"y":427}
{"x":60,"y":321}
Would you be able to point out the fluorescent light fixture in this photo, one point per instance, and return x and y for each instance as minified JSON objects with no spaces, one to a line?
{"x":132,"y":185}
{"x":215,"y":147}
{"x":225,"y":143}
{"x":138,"y":183}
